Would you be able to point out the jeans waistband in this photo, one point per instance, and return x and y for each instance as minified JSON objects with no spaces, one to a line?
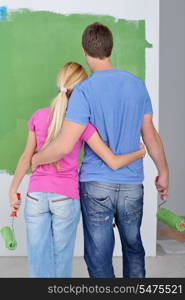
{"x":113,"y":186}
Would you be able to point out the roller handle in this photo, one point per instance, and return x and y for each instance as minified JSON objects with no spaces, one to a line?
{"x":14,"y":213}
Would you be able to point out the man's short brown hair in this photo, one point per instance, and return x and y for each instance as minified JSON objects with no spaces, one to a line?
{"x":97,"y":40}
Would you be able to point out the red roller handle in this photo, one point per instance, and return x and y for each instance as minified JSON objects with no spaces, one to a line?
{"x":162,"y":197}
{"x":14,"y":213}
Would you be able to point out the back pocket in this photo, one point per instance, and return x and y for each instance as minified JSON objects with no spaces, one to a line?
{"x":35,"y":204}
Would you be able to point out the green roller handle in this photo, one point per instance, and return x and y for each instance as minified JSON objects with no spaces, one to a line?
{"x":8,"y":236}
{"x":171,"y":219}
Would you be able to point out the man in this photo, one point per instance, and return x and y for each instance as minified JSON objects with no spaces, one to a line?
{"x":118,"y":105}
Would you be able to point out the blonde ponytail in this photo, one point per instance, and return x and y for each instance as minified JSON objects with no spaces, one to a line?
{"x":70,"y":75}
{"x":57,"y":114}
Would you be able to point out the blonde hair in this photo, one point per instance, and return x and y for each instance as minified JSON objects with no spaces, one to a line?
{"x":70,"y":75}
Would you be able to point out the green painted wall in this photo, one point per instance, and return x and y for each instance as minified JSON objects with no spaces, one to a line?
{"x":33,"y":47}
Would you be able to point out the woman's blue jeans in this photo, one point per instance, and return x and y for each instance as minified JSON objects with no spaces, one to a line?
{"x":51,"y":223}
{"x":102,"y":203}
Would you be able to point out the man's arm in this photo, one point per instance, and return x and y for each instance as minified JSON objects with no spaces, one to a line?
{"x":61,"y":146}
{"x":155,"y":149}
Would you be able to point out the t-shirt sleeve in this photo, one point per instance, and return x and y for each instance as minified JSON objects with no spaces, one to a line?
{"x":31,"y":122}
{"x":148,"y":103}
{"x":78,"y":110}
{"x":88,"y":132}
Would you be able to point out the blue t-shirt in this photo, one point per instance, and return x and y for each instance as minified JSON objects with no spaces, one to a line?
{"x":115,"y":102}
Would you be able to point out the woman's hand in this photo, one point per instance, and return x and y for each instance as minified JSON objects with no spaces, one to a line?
{"x":14,"y":201}
{"x":142,"y":150}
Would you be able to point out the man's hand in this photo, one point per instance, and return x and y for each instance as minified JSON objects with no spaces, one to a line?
{"x":62,"y":145}
{"x":14,"y":201}
{"x":162,"y":185}
{"x":34,"y":163}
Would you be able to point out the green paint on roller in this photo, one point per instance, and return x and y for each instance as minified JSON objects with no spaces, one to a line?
{"x":171,"y":219}
{"x":8,"y":236}
{"x":34,"y":45}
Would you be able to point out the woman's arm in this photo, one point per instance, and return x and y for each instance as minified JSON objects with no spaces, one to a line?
{"x":23,"y":166}
{"x":113,"y":161}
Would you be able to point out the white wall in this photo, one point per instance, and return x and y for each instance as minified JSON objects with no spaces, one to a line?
{"x":147,"y":10}
{"x":172,"y":97}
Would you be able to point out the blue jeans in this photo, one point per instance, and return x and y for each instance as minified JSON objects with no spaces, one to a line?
{"x":101,"y":204}
{"x":51,"y":223}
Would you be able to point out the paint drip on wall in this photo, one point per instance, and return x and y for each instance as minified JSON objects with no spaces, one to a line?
{"x":34,"y":46}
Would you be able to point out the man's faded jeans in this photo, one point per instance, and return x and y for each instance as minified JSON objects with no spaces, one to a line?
{"x":103,"y":203}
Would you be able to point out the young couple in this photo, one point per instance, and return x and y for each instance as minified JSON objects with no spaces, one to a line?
{"x":108,"y":111}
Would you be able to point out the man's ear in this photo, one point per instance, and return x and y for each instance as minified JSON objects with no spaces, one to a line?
{"x":84,"y":52}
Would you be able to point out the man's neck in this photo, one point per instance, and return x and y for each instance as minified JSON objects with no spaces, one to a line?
{"x":100,"y":65}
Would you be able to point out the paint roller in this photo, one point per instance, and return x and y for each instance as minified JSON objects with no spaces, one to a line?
{"x":170,"y":218}
{"x":7,"y":232}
